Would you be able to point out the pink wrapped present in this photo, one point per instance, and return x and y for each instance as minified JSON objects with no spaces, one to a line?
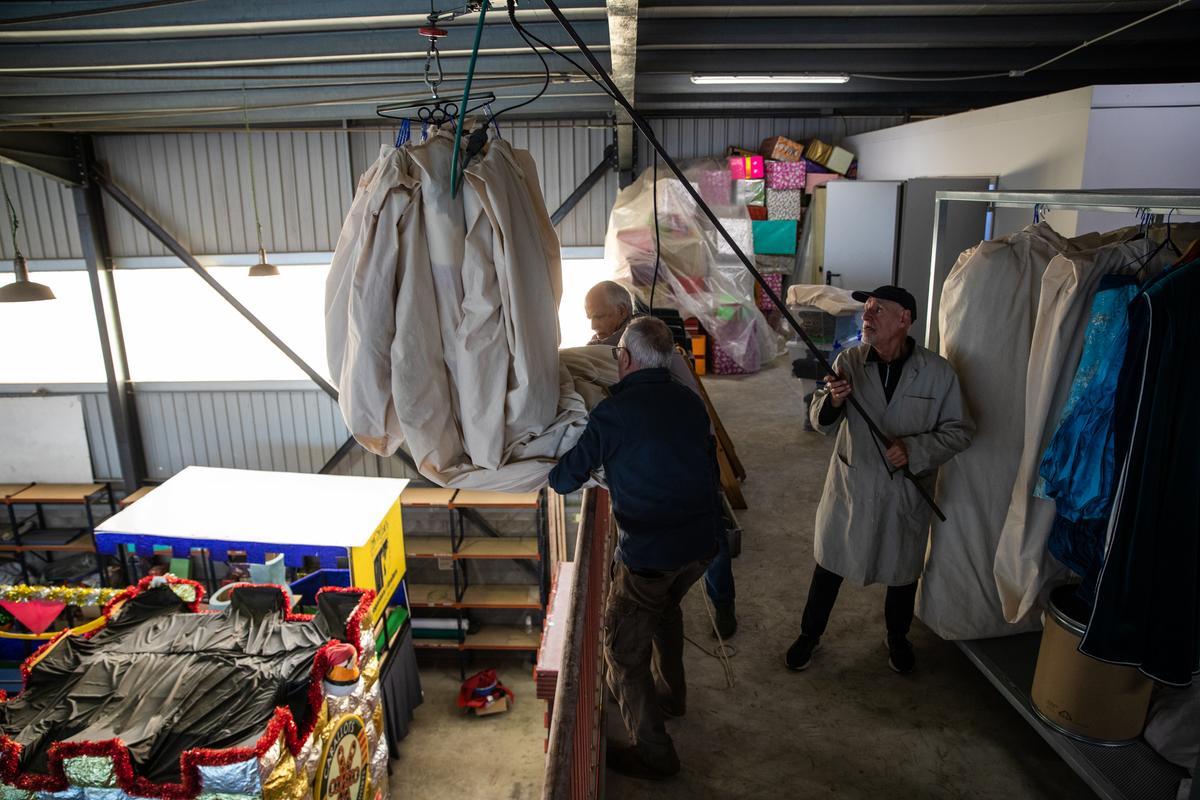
{"x":785,"y":174}
{"x":746,"y":168}
{"x":775,"y":281}
{"x":815,"y":179}
{"x":723,"y":363}
{"x":714,"y":186}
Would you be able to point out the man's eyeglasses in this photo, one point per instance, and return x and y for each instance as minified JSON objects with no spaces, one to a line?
{"x":617,"y":353}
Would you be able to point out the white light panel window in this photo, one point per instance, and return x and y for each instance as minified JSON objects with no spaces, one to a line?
{"x":178,"y":329}
{"x":579,"y":275}
{"x":51,"y":341}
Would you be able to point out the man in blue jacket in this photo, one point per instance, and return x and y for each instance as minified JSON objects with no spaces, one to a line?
{"x":653,"y":439}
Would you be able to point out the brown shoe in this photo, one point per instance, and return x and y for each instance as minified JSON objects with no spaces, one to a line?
{"x":628,"y":761}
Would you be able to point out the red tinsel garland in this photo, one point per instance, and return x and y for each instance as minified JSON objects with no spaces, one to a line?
{"x":282,"y":723}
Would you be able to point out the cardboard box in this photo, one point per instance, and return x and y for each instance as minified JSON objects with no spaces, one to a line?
{"x":835,"y":158}
{"x":781,"y":148}
{"x":747,"y":167}
{"x":815,"y":179}
{"x":775,"y":237}
{"x":785,"y":203}
{"x":496,"y":707}
{"x":750,"y":192}
{"x":785,"y":175}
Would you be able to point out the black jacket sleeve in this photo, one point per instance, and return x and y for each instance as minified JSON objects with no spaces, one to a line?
{"x":577,"y":464}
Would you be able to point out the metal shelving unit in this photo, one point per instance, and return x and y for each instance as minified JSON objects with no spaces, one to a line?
{"x":1128,"y":772}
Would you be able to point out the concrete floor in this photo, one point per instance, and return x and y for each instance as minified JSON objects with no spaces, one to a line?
{"x":449,"y":754}
{"x":848,"y":727}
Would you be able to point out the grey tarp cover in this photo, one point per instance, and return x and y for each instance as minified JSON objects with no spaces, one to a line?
{"x":986,"y":317}
{"x":442,"y":319}
{"x":164,"y":682}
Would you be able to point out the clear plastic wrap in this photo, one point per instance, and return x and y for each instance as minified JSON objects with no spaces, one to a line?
{"x":699,"y":275}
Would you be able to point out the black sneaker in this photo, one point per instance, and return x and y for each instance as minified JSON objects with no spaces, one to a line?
{"x":900,"y":654}
{"x":726,"y":621}
{"x":800,"y":654}
{"x":628,"y":761}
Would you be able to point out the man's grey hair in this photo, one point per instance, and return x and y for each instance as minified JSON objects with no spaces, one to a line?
{"x":616,"y":294}
{"x":649,"y":342}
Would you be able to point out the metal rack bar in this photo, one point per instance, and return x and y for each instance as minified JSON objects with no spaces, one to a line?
{"x":1120,"y":201}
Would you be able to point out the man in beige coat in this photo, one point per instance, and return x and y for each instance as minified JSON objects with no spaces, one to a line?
{"x":872,"y":524}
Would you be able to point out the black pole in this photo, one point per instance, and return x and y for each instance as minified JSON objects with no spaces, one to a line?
{"x":644,"y":127}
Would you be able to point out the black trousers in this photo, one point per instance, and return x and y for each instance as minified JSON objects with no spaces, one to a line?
{"x":823,"y":592}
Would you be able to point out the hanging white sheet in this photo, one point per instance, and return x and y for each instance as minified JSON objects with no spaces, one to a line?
{"x":441,"y":318}
{"x":986,"y":316}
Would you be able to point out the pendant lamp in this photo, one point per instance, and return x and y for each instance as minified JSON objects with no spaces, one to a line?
{"x":22,"y":290}
{"x":262,"y":269}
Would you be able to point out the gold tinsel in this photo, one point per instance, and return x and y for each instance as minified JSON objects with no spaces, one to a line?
{"x":70,"y":595}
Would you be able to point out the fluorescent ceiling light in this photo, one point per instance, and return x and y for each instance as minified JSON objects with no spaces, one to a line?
{"x":799,"y":77}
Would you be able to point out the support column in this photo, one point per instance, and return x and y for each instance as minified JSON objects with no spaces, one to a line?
{"x":93,"y":237}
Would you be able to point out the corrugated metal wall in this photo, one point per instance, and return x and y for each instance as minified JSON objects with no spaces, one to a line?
{"x":198,"y":186}
{"x":195,"y":183}
{"x":47,"y":213}
{"x":565,"y":152}
{"x":286,"y":430}
{"x":696,"y":137}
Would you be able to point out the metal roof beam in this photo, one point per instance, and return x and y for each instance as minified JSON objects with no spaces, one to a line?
{"x":273,"y":27}
{"x":923,"y":32}
{"x":623,"y":42}
{"x":283,"y":49}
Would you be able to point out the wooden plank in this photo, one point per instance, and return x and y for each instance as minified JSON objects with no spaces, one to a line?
{"x":435,"y":644}
{"x":421,"y":497}
{"x":503,"y":637}
{"x":428,"y":595}
{"x":501,"y":596}
{"x":504,"y":547}
{"x":7,"y":490}
{"x":129,"y":500}
{"x":556,"y":513}
{"x":427,"y":547}
{"x":57,"y":493}
{"x":475,"y":499}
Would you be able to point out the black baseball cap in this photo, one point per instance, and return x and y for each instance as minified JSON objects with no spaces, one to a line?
{"x":893,"y":293}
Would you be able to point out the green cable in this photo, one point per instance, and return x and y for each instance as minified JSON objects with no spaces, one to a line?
{"x":462,"y":108}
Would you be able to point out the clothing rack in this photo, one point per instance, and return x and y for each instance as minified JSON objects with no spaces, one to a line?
{"x":1128,"y":772}
{"x":1158,"y":203}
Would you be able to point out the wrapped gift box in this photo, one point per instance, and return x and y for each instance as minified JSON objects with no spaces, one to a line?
{"x":785,"y":203}
{"x":828,"y":155}
{"x":721,"y":362}
{"x":781,"y":148}
{"x":739,"y":229}
{"x":775,"y":281}
{"x":775,"y":237}
{"x":715,"y":186}
{"x":813,"y":180}
{"x":811,"y":166}
{"x":750,"y":192}
{"x":747,"y":167}
{"x":781,"y":264}
{"x":758,"y":212}
{"x":738,"y":151}
{"x":785,"y":175}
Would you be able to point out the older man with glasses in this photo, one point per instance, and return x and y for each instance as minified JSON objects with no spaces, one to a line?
{"x":653,"y":438}
{"x":872,"y":525}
